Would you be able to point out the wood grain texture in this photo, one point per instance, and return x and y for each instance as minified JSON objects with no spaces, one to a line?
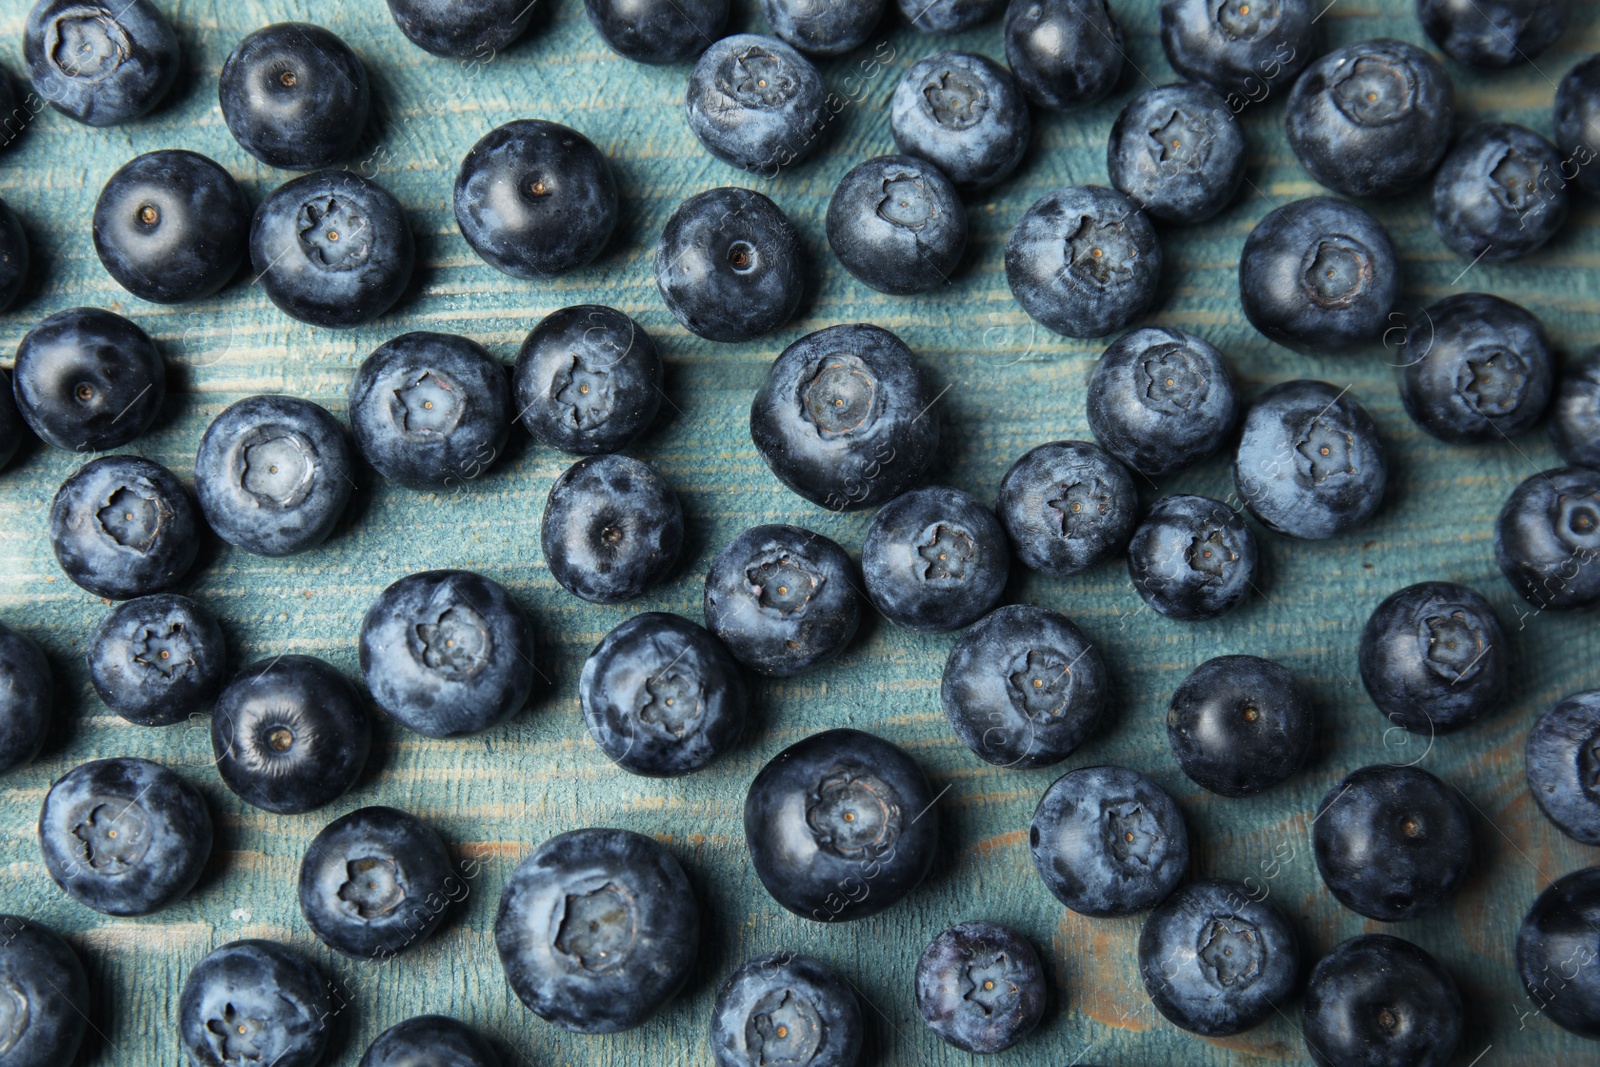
{"x":1011,"y":386}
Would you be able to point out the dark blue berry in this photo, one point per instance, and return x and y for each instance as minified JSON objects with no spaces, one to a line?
{"x":254,"y":1001}
{"x":823,"y":29}
{"x":447,"y":653}
{"x":1024,"y":687}
{"x":1192,"y":558}
{"x":124,"y":836}
{"x":88,"y":381}
{"x":1239,"y":725}
{"x":14,"y":256}
{"x":98,"y":61}
{"x":123,"y":527}
{"x":295,"y":96}
{"x":12,"y":428}
{"x":1500,"y":194}
{"x":1067,"y":506}
{"x":964,"y":113}
{"x":935,"y":559}
{"x":730,"y":265}
{"x":1161,"y":399}
{"x":612,"y":528}
{"x":1547,"y":538}
{"x":980,"y":987}
{"x":840,"y":826}
{"x":427,"y":1040}
{"x":588,"y":380}
{"x":1555,"y":953}
{"x":1244,"y":49}
{"x":756,"y":103}
{"x":1435,"y":659}
{"x":1378,"y":1001}
{"x":26,"y":692}
{"x":1178,"y":152}
{"x":158,"y":660}
{"x":462,"y":29}
{"x":1575,"y":415}
{"x":845,"y":417}
{"x":658,"y":31}
{"x":1494,"y":33}
{"x":1577,"y":122}
{"x":430,"y":410}
{"x":290,"y":734}
{"x":48,"y":994}
{"x":786,"y":1008}
{"x":1563,"y":766}
{"x":1108,"y":841}
{"x":949,"y":16}
{"x":782,"y":599}
{"x":1066,"y":53}
{"x":1084,"y":261}
{"x":898,"y":225}
{"x":597,"y":929}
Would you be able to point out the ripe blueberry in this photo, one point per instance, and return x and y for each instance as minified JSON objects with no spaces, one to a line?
{"x":1378,"y":1001}
{"x":1067,"y":506}
{"x":823,"y":29}
{"x":898,"y":225}
{"x":1066,"y":53}
{"x":949,"y":16}
{"x":612,"y":528}
{"x":588,"y":380}
{"x":1563,"y":766}
{"x":428,"y":1039}
{"x":1500,"y":194}
{"x":1178,"y":152}
{"x":26,"y":690}
{"x":1575,"y":415}
{"x":935,"y":559}
{"x":158,"y":660}
{"x":1192,"y":558}
{"x":14,"y":257}
{"x":462,"y":29}
{"x":123,"y":527}
{"x":1434,"y":658}
{"x":658,"y":31}
{"x":1554,"y":953}
{"x":1244,"y":49}
{"x":1577,"y":122}
{"x":786,"y":1008}
{"x":965,"y":114}
{"x":1161,"y":399}
{"x":1239,"y":725}
{"x":254,"y":1000}
{"x":295,"y":96}
{"x":88,"y":381}
{"x":980,"y":987}
{"x":755,"y":103}
{"x":100,"y":62}
{"x":48,"y":994}
{"x":1494,"y":33}
{"x":1547,"y":538}
{"x":1478,"y":369}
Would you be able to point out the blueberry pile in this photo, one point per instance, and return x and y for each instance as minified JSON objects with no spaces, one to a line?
{"x":599,"y":928}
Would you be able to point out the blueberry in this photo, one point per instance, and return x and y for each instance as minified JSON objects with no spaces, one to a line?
{"x":845,"y":417}
{"x":447,"y":653}
{"x":1177,"y":152}
{"x":26,"y":693}
{"x":1108,"y":841}
{"x":1493,"y":33}
{"x":332,"y":249}
{"x":1217,"y":958}
{"x":47,"y":992}
{"x":1547,"y":536}
{"x":1066,"y":53}
{"x":1555,"y":953}
{"x":1244,"y":49}
{"x":1392,"y":842}
{"x":158,"y":660}
{"x":1378,"y":1001}
{"x":782,"y":599}
{"x":254,"y":1001}
{"x":11,"y":424}
{"x":1067,"y":506}
{"x":1084,"y":261}
{"x":730,"y":266}
{"x":1161,"y":399}
{"x":588,"y":380}
{"x":658,"y":31}
{"x":1434,"y":658}
{"x":376,"y":882}
{"x":295,"y":96}
{"x":1239,"y":725}
{"x":980,"y":987}
{"x":1319,"y":274}
{"x":823,"y":29}
{"x":124,"y":836}
{"x":88,"y":381}
{"x":1563,"y":766}
{"x":786,"y":1008}
{"x":536,"y":199}
{"x":1024,"y":687}
{"x":430,"y":410}
{"x":1577,"y":123}
{"x":14,"y":257}
{"x":840,"y":826}
{"x":1575,"y":416}
{"x":662,"y":696}
{"x":935,"y":559}
{"x":171,"y":226}
{"x":273,"y":474}
{"x":1310,"y":463}
{"x":290,"y":734}
{"x":949,"y":16}
{"x":98,"y":62}
{"x":1192,"y":558}
{"x":965,"y":114}
{"x":612,"y":528}
{"x":898,"y":225}
{"x":597,"y":929}
{"x":430,"y":1039}
{"x":1500,"y":194}
{"x":756,"y":103}
{"x":1479,"y":369}
{"x":123,"y":527}
{"x":462,"y":29}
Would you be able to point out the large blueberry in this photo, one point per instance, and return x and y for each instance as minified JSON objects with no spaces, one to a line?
{"x":597,"y":929}
{"x":1024,"y":687}
{"x":124,"y":836}
{"x":1066,"y":53}
{"x":1067,"y":506}
{"x":123,"y":527}
{"x":1434,"y":658}
{"x":898,"y":225}
{"x":1478,"y":369}
{"x":26,"y":691}
{"x":757,"y":104}
{"x":430,"y":1041}
{"x":1192,"y":558}
{"x":1379,"y":1001}
{"x":1563,"y":765}
{"x":1556,"y":956}
{"x":964,"y":113}
{"x":935,"y":559}
{"x":786,"y":1008}
{"x":1244,"y":49}
{"x":1547,"y":538}
{"x":612,"y":528}
{"x":14,"y":256}
{"x":588,"y":380}
{"x":823,"y":29}
{"x":295,"y":96}
{"x":462,"y":29}
{"x":658,"y":31}
{"x":1178,"y":152}
{"x":46,"y":995}
{"x":1500,"y":194}
{"x":1161,"y":399}
{"x":102,"y":62}
{"x":158,"y":660}
{"x":730,"y":265}
{"x":949,"y":16}
{"x":1494,"y":33}
{"x":1575,"y":415}
{"x":980,"y":987}
{"x":1577,"y":122}
{"x":88,"y":381}
{"x":1239,"y":725}
{"x":254,"y":1001}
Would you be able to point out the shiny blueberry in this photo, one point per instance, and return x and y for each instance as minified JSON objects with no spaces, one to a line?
{"x":1547,"y":537}
{"x":823,"y":29}
{"x":729,"y":265}
{"x":88,"y":381}
{"x":26,"y":690}
{"x":782,"y":599}
{"x":1066,"y":53}
{"x":980,"y":987}
{"x":1108,"y":841}
{"x":1319,"y":274}
{"x":430,"y":1040}
{"x":662,"y":696}
{"x":1563,"y":766}
{"x":254,"y":1001}
{"x":102,"y":63}
{"x":845,"y":417}
{"x":47,"y":995}
{"x":124,"y":836}
{"x":14,"y":256}
{"x":295,"y":96}
{"x":949,"y":16}
{"x":1084,"y":261}
{"x":1555,"y":953}
{"x":964,"y":113}
{"x":1178,"y":152}
{"x":1478,"y":369}
{"x":898,"y":225}
{"x":597,"y":929}
{"x":1500,"y":194}
{"x":158,"y":660}
{"x":1577,"y":122}
{"x":1379,"y":1001}
{"x":1192,"y":558}
{"x":1239,"y":725}
{"x":836,"y":813}
{"x":290,"y":734}
{"x":612,"y":529}
{"x":786,"y":1008}
{"x":430,"y":410}
{"x":1310,"y":463}
{"x":123,"y":527}
{"x":1067,"y":506}
{"x":273,"y":474}
{"x":1494,"y":33}
{"x":1392,"y":842}
{"x":658,"y":31}
{"x":755,"y":103}
{"x":1161,"y":400}
{"x":1434,"y":658}
{"x":462,"y":29}
{"x":1575,"y":415}
{"x":935,"y":559}
{"x":447,"y":653}
{"x":588,"y":380}
{"x":1244,"y":49}
{"x":1024,"y":687}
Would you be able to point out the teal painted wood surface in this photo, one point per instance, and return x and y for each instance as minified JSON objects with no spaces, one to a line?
{"x":1007,"y":385}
